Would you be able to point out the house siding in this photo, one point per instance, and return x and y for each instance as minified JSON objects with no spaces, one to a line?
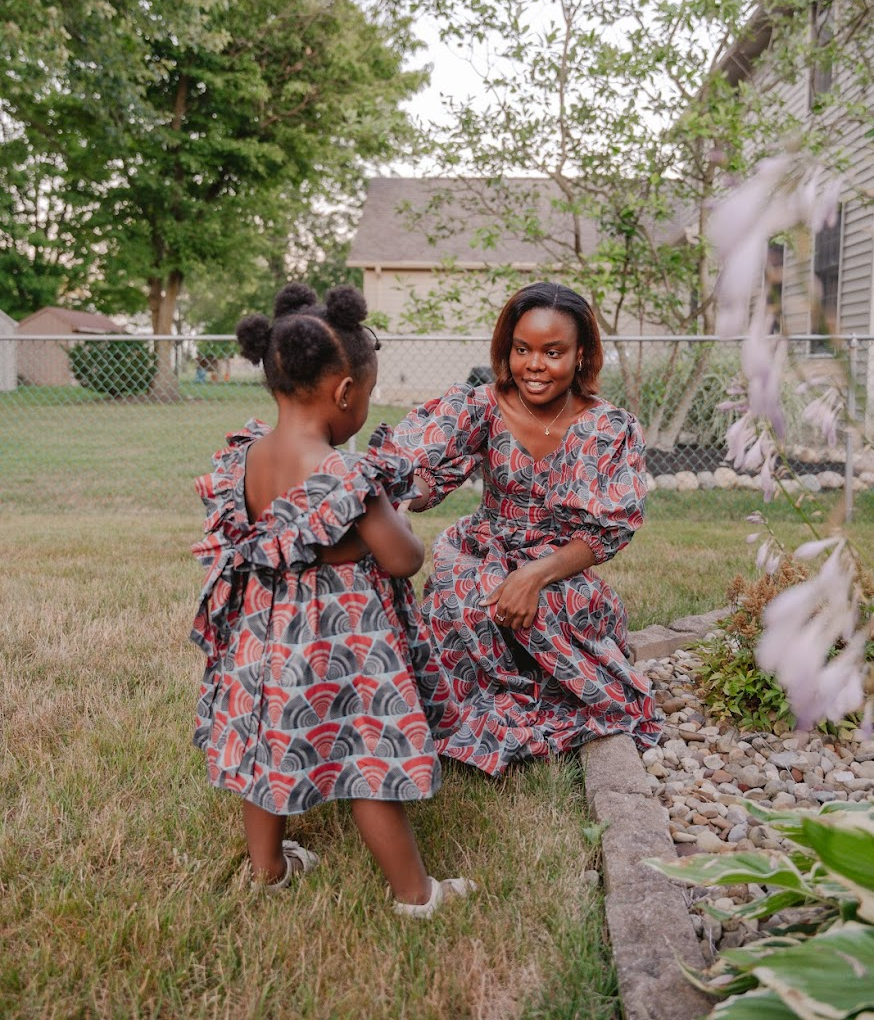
{"x":44,"y":362}
{"x":8,"y":354}
{"x":855,"y":309}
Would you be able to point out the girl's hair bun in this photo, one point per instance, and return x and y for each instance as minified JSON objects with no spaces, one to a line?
{"x":346,"y":307}
{"x":292,"y":298}
{"x":253,"y":334}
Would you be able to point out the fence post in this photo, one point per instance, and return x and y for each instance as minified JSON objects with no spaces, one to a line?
{"x":852,"y":347}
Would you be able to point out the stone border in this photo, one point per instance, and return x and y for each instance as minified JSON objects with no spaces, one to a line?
{"x":647,"y":915}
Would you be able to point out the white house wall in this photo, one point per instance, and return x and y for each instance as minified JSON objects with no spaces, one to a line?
{"x":8,"y":355}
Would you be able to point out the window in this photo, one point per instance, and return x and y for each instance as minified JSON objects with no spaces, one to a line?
{"x":821,"y":36}
{"x":826,"y":277}
{"x":774,"y":286}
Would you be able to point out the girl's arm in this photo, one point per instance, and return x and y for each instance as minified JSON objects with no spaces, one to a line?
{"x":390,"y":538}
{"x":517,"y":598}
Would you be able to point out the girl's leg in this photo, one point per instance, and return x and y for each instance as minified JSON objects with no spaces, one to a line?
{"x":264,"y":832}
{"x":387,"y":833}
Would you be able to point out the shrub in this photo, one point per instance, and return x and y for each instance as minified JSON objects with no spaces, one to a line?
{"x":731,"y":684}
{"x":703,"y":420}
{"x":822,"y":966}
{"x":115,"y":368}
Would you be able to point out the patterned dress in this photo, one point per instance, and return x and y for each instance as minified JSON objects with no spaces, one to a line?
{"x":319,"y":682}
{"x":566,"y":679}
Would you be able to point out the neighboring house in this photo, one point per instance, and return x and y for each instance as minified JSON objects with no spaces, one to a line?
{"x":411,"y":229}
{"x":8,"y":359}
{"x":45,"y":363}
{"x":839,"y":268}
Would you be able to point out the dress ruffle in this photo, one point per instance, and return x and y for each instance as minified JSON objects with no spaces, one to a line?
{"x":290,"y":532}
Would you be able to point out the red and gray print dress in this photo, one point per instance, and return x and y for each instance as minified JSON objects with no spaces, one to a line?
{"x":320,"y":682}
{"x":566,"y":679}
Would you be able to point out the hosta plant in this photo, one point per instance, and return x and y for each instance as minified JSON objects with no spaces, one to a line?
{"x":821,"y":968}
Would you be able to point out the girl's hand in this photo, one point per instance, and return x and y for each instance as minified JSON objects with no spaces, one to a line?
{"x":516,"y":600}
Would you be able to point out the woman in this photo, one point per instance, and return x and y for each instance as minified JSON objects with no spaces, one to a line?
{"x":534,"y":643}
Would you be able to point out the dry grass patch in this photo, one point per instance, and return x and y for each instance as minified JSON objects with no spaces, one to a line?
{"x":123,"y":887}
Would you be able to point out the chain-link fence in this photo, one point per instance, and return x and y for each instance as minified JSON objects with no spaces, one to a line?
{"x":125,"y":423}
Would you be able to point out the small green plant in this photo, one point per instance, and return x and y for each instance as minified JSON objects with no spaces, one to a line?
{"x":735,"y":689}
{"x":731,"y":684}
{"x":114,"y":368}
{"x":823,"y":965}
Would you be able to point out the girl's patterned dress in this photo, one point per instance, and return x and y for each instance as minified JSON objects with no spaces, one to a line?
{"x":319,"y":682}
{"x":567,"y":679}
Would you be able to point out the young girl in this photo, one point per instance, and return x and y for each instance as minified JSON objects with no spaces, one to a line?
{"x":319,"y":683}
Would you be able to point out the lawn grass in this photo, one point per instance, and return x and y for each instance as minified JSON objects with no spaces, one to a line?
{"x":123,"y":891}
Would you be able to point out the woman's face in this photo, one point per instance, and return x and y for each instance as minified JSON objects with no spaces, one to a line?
{"x":544,"y":355}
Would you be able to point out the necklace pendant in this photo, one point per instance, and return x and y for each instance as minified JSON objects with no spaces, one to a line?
{"x":546,"y":432}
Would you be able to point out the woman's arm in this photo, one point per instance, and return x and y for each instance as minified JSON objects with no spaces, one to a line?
{"x":420,"y":502}
{"x":517,"y":598}
{"x":444,"y":438}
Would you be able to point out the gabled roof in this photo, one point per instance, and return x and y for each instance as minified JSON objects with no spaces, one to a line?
{"x":421,"y":222}
{"x":738,"y":62}
{"x":78,"y":322}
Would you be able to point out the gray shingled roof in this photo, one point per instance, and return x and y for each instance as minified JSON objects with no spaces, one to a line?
{"x":420,"y":222}
{"x":79,"y":322}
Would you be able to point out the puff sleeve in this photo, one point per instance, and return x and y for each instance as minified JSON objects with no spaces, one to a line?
{"x":445,"y":438}
{"x":601,"y":499}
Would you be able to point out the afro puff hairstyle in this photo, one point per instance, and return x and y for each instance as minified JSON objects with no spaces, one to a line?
{"x":307,"y":340}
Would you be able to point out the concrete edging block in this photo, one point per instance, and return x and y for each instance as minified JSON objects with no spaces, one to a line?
{"x":649,"y":936}
{"x":612,"y":763}
{"x":647,"y":914}
{"x":655,"y":642}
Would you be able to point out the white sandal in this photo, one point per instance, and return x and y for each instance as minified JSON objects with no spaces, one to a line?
{"x":439,"y":892}
{"x":291,"y":851}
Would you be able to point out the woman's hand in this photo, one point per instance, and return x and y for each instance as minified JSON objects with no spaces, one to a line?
{"x":516,"y":599}
{"x":421,"y":501}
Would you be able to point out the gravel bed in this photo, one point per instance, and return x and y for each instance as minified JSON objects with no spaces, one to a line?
{"x":702,"y":771}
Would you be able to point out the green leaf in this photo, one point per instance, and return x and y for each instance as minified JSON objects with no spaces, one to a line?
{"x":830,"y":975}
{"x":757,"y":1005}
{"x":847,"y":850}
{"x":728,"y":869}
{"x":765,"y":906}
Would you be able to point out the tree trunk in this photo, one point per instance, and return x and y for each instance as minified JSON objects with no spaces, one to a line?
{"x":666,"y":438}
{"x":629,"y":379}
{"x":162,"y":304}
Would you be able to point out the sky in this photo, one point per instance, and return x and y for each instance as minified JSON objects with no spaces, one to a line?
{"x":451,"y":74}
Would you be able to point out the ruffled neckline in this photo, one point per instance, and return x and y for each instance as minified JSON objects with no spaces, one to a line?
{"x":316,"y":512}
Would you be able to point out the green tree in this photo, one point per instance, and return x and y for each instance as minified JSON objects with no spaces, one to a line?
{"x":183,"y":131}
{"x":632,"y":114}
{"x":313,"y":246}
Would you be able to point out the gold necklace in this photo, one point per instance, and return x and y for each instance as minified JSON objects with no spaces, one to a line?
{"x":546,"y":428}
